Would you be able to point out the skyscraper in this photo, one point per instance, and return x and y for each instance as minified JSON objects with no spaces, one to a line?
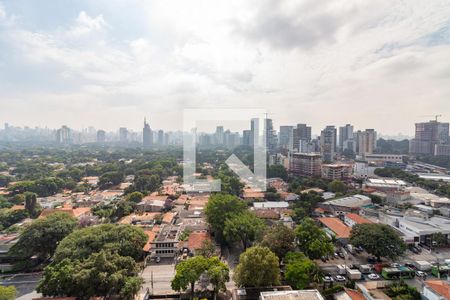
{"x":270,"y":136}
{"x":101,"y":136}
{"x":286,"y":137}
{"x":247,"y":138}
{"x":328,"y":143}
{"x":64,"y":135}
{"x":147,"y":136}
{"x":161,"y":137}
{"x":301,"y":133}
{"x":346,"y":137}
{"x":219,"y":136}
{"x":427,"y":136}
{"x":123,"y":135}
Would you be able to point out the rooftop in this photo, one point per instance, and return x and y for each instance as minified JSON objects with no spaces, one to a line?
{"x":358,"y":219}
{"x":334,"y":224}
{"x":291,"y":295}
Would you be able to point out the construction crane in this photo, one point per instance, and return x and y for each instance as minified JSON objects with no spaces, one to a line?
{"x":435,"y":116}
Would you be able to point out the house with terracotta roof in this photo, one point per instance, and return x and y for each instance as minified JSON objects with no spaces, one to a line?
{"x":349,"y":294}
{"x":196,"y":240}
{"x":351,"y":219}
{"x":436,"y":290}
{"x":78,"y":212}
{"x":336,"y":228}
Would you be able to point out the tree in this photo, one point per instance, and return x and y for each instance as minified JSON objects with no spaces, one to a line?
{"x":188,"y":273}
{"x":208,"y":249}
{"x":127,"y":240}
{"x":221,"y":207}
{"x":279,"y":239}
{"x":218,"y":275}
{"x":312,"y":240}
{"x":300,"y":270}
{"x":30,"y":203}
{"x":402,"y":291}
{"x":337,"y":186}
{"x":258,"y":267}
{"x":277,"y":171}
{"x":7,"y":292}
{"x":378,"y":239}
{"x":42,"y":237}
{"x":244,"y":228}
{"x":135,"y":197}
{"x":438,"y":239}
{"x":109,"y":179}
{"x":101,"y":274}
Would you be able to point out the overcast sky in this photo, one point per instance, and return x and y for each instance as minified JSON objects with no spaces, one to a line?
{"x":381,"y":64}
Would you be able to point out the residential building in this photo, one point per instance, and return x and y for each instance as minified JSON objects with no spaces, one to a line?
{"x":337,"y":171}
{"x":305,"y":164}
{"x":328,"y":143}
{"x":247,"y":138}
{"x":436,"y":290}
{"x":270,"y":136}
{"x":351,"y":219}
{"x":64,"y":135}
{"x":161,"y":137}
{"x":428,"y":135}
{"x":166,"y":243}
{"x":365,"y":142}
{"x":346,"y":204}
{"x":336,"y":228}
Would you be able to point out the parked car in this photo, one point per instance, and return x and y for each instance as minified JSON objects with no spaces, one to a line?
{"x":336,"y":255}
{"x":395,"y":265}
{"x":373,"y":276}
{"x":421,"y":274}
{"x":415,"y":250}
{"x":157,"y":259}
{"x":371,"y":260}
{"x":339,"y":278}
{"x":328,"y":279}
{"x":341,"y":255}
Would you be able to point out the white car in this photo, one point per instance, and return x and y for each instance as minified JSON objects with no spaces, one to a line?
{"x":420,"y":274}
{"x":328,"y":279}
{"x":395,"y":265}
{"x":157,"y":259}
{"x":373,"y":276}
{"x":339,"y":278}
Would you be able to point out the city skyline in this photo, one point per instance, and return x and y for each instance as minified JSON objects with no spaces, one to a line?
{"x":377,"y":65}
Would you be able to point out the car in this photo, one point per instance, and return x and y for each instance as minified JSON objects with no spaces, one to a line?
{"x":373,"y":276}
{"x":328,"y":279}
{"x":415,"y":250}
{"x":341,"y":255}
{"x":336,"y":255}
{"x":157,"y":259}
{"x":339,"y":278}
{"x":371,"y":260}
{"x":395,"y":265}
{"x":323,"y":258}
{"x":421,"y":274}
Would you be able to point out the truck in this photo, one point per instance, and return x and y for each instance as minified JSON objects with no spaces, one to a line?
{"x":353,"y":274}
{"x":422,"y":265}
{"x":366,"y":269}
{"x":340,"y":269}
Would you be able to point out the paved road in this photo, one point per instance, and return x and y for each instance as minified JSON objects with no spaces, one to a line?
{"x":25,"y":283}
{"x":162,"y":274}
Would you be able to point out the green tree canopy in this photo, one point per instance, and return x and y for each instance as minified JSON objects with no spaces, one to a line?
{"x":337,"y":186}
{"x":101,"y":274}
{"x":300,"y":270}
{"x":378,"y":239}
{"x":258,"y":267}
{"x":279,"y":239}
{"x":312,"y":240}
{"x":43,"y":235}
{"x":244,"y":228}
{"x":7,"y":292}
{"x":221,"y":207}
{"x":135,"y":197}
{"x":127,"y":240}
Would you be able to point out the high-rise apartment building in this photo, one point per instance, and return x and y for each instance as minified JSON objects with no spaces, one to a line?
{"x":147,"y":136}
{"x":305,"y":164}
{"x":101,"y":136}
{"x":346,"y":140}
{"x":161,"y":137}
{"x":285,"y":137}
{"x":328,"y":143}
{"x":428,"y":137}
{"x":247,"y":138}
{"x":270,"y":136}
{"x":64,"y":135}
{"x":219,"y":136}
{"x":366,"y":142}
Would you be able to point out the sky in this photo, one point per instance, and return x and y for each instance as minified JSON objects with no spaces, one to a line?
{"x":381,"y":64}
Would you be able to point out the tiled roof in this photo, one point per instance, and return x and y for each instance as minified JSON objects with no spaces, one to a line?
{"x":196,"y":239}
{"x":358,"y":219}
{"x":334,"y":224}
{"x":354,"y":295}
{"x":439,"y":286}
{"x":151,"y":237}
